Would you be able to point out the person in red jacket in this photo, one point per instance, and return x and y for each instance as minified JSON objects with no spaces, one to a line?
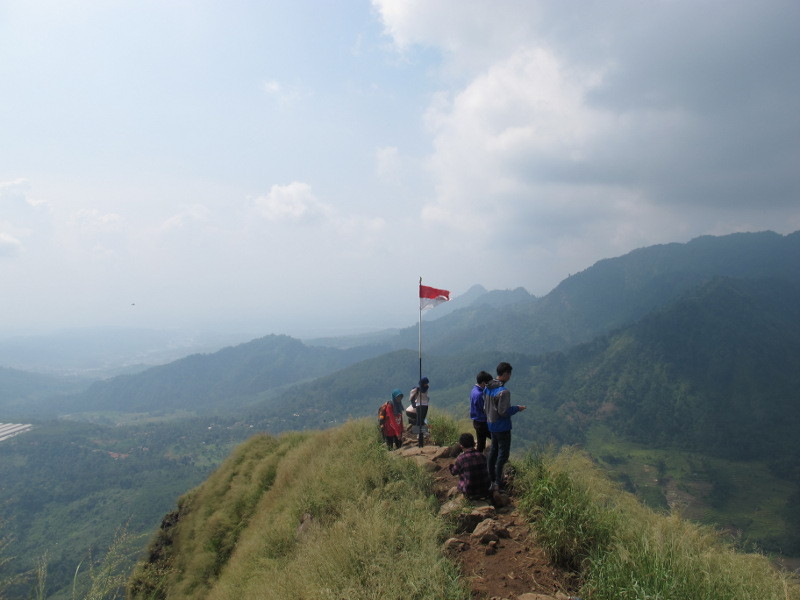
{"x":391,"y":420}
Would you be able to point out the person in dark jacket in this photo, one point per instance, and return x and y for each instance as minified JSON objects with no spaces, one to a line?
{"x":499,"y":411}
{"x":476,"y":410}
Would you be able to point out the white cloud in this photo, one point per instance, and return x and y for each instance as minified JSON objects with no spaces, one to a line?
{"x":471,"y":34}
{"x":92,"y":221}
{"x":9,"y":245}
{"x":194,"y":213}
{"x":363,"y":231}
{"x":15,"y":196}
{"x":12,"y":185}
{"x":294,"y":202}
{"x":508,"y":139}
{"x":572,"y":125}
{"x":284,"y":95}
{"x":22,"y":216}
{"x":511,"y":144}
{"x":387,"y":163}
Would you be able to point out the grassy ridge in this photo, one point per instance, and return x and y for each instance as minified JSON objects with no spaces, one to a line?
{"x":333,"y":515}
{"x":626,"y":551}
{"x":373,"y":531}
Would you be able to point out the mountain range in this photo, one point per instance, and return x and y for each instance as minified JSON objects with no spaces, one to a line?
{"x":684,"y":348}
{"x":675,"y":301}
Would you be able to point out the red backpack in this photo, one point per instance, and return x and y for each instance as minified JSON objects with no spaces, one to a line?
{"x":382,"y":415}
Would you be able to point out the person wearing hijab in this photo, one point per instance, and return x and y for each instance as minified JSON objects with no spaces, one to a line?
{"x":391,"y":420}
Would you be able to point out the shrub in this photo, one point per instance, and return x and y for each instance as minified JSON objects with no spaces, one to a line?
{"x":445,"y":431}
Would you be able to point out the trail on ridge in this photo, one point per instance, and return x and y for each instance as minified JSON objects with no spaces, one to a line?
{"x":495,"y":546}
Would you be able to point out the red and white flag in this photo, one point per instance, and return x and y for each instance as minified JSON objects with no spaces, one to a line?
{"x":430,"y":297}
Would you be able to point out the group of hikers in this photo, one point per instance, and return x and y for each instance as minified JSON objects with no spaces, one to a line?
{"x":490,"y":410}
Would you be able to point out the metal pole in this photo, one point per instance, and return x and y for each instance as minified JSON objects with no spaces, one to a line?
{"x":420,"y":436}
{"x":420,"y":335}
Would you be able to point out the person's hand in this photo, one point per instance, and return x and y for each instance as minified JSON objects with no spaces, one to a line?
{"x":521,"y":408}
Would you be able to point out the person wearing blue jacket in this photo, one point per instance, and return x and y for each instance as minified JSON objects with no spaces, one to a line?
{"x":476,"y":411}
{"x":498,"y":408}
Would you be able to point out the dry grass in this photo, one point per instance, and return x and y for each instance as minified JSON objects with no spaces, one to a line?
{"x":625,"y":551}
{"x":373,"y":531}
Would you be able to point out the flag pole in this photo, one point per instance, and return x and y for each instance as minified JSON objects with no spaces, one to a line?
{"x":420,"y":335}
{"x":419,"y":388}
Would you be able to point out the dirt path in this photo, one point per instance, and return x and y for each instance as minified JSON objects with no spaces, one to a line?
{"x":497,"y":549}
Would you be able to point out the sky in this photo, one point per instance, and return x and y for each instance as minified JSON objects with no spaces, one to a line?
{"x":295,"y":166}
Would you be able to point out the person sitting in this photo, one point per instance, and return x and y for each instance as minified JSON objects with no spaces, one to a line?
{"x":470,"y":466}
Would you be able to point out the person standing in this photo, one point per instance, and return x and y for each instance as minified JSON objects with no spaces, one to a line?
{"x":419,"y":400}
{"x":476,"y":410}
{"x":391,"y":421}
{"x":498,"y":418}
{"x":397,"y":408}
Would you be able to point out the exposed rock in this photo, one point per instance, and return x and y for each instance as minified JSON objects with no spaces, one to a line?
{"x":448,"y":452}
{"x":484,"y":510}
{"x":489,"y":530}
{"x":456,"y":545}
{"x":456,"y":505}
{"x":466,"y":523}
{"x":425,"y":462}
{"x":500,"y":499}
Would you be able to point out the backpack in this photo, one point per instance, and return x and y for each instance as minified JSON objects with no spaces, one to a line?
{"x":382,"y":416}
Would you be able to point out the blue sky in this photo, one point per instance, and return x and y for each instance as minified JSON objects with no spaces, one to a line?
{"x":295,"y":167}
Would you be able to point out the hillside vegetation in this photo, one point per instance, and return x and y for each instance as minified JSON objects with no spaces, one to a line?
{"x":25,"y":395}
{"x":334,"y":515}
{"x":66,"y":490}
{"x":371,"y":529}
{"x":198,"y":382}
{"x":714,"y":370}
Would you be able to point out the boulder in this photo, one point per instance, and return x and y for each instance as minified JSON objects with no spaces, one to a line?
{"x":456,"y":505}
{"x":456,"y":545}
{"x":489,"y":530}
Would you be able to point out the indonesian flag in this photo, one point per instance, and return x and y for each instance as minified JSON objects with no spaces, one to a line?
{"x":430,"y":297}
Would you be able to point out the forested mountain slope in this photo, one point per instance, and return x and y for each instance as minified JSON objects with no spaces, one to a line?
{"x":22,"y":392}
{"x":619,"y":291}
{"x":360,"y":389}
{"x":611,"y":293}
{"x":715,"y":370}
{"x":224,"y":380}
